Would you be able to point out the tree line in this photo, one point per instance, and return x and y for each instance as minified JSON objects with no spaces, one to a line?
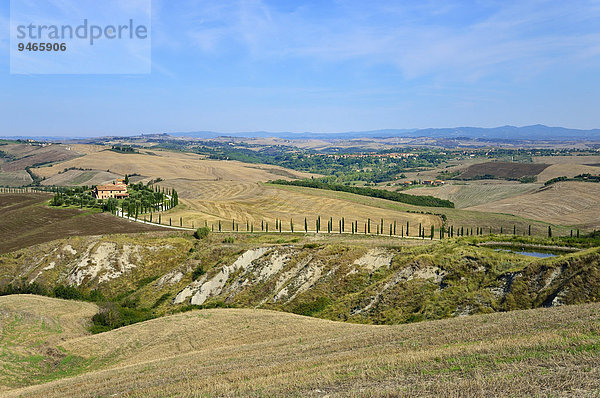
{"x":427,"y":201}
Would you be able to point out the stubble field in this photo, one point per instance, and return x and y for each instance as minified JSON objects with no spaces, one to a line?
{"x":244,"y":352}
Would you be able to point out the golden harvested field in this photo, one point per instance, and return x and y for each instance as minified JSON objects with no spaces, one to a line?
{"x":567,"y":159}
{"x":255,"y":202}
{"x":477,"y":192}
{"x":172,"y":165}
{"x":15,"y":178}
{"x":567,"y":203}
{"x":80,"y":177}
{"x":258,"y":353}
{"x":567,"y":169}
{"x":29,"y":155}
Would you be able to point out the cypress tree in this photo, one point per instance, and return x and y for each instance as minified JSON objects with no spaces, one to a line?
{"x":391,"y":230}
{"x":369,"y":225}
{"x":219,"y":225}
{"x":577,"y":233}
{"x":305,"y":225}
{"x":514,"y":229}
{"x":292,"y":225}
{"x":432,"y":231}
{"x":170,"y":221}
{"x":407,"y":233}
{"x":529,"y":231}
{"x":394,"y":227}
{"x":549,"y":231}
{"x":343,"y":225}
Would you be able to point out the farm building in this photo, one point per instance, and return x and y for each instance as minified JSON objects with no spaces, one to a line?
{"x":117,"y":191}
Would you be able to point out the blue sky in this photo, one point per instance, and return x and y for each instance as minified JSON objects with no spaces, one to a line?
{"x":329,"y":66}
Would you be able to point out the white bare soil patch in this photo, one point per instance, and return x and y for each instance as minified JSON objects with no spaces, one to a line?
{"x":406,"y":274}
{"x":105,"y":262}
{"x":206,"y":288}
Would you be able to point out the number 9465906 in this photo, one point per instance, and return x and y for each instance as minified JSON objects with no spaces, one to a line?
{"x":42,"y":47}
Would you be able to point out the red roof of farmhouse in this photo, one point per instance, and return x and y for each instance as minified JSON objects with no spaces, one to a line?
{"x":111,"y":187}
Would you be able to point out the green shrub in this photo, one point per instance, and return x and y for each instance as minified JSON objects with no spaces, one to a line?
{"x":67,"y":293}
{"x":201,"y":233}
{"x":198,"y":272}
{"x":312,"y":307}
{"x":161,"y":300}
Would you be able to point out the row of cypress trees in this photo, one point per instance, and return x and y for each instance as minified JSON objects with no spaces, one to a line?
{"x":393,"y":228}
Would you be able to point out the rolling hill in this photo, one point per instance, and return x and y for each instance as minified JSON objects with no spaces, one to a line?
{"x":258,"y":353}
{"x":567,"y":203}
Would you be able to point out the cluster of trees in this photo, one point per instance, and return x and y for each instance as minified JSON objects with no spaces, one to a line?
{"x":149,"y":198}
{"x":123,"y":149}
{"x":142,"y":199}
{"x":75,"y":196}
{"x":428,"y":201}
{"x":581,"y":177}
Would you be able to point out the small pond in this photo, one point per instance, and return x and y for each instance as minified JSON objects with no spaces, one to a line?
{"x":528,"y":253}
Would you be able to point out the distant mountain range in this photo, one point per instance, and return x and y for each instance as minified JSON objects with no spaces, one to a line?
{"x":536,"y":132}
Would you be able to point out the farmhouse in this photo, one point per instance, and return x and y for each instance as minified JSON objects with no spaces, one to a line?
{"x":117,"y":191}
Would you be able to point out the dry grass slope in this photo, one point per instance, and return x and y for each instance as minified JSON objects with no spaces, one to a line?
{"x":476,"y":193}
{"x":170,"y":166}
{"x":568,"y":170}
{"x":32,"y":327}
{"x":257,"y":353}
{"x":28,"y":155}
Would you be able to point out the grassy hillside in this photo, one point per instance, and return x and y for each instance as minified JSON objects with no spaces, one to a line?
{"x":32,"y":328}
{"x":358,"y":279}
{"x":243,"y":352}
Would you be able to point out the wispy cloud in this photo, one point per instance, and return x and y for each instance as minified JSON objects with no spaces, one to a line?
{"x":418,"y":39}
